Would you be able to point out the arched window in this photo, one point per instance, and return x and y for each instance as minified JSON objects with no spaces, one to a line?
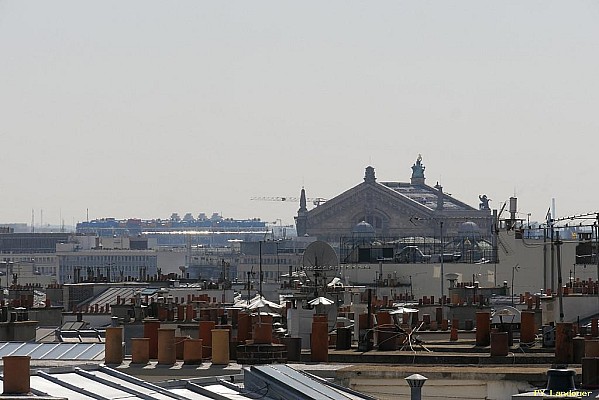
{"x":374,"y":220}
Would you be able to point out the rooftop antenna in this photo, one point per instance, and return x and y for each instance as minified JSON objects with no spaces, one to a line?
{"x":87,"y":214}
{"x":32,"y":220}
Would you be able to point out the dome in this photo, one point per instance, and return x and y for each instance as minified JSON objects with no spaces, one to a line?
{"x":468,"y":229}
{"x":363,"y":229}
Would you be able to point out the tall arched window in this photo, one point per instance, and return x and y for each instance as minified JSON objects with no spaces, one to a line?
{"x":374,"y":220}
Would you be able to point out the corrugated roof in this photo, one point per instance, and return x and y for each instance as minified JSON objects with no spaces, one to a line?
{"x":282,"y":381}
{"x":54,"y":351}
{"x":101,"y":382}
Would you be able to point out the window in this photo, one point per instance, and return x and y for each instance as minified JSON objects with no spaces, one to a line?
{"x":374,"y":220}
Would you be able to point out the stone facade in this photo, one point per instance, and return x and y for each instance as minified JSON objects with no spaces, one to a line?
{"x":394,"y":209}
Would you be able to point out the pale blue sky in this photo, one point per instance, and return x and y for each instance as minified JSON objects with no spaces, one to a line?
{"x":144,"y":108}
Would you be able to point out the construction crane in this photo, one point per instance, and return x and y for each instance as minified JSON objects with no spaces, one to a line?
{"x":315,"y":200}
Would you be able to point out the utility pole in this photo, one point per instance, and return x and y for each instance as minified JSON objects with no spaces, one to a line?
{"x":442,"y":257}
{"x":596,"y":225}
{"x":494,"y":234}
{"x":249,"y":283}
{"x":559,"y":278}
{"x":514,"y":268}
{"x":545,"y":286}
{"x":260,"y":251}
{"x":278,"y":269}
{"x":552,"y":255}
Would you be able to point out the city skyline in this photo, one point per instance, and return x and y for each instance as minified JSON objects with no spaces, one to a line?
{"x":142,"y":109}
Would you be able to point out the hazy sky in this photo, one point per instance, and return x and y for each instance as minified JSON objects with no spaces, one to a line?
{"x":144,"y":108}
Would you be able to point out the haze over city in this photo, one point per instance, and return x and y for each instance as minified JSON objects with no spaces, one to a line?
{"x":144,"y":108}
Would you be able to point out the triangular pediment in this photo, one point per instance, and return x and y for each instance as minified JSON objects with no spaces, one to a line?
{"x":366,"y":197}
{"x":393,"y":209}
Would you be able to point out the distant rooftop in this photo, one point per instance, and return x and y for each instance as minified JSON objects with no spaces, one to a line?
{"x":136,"y":226}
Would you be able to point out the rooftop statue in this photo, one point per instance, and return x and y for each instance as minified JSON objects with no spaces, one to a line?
{"x":369,"y":176}
{"x":418,"y":168}
{"x":484,"y":202}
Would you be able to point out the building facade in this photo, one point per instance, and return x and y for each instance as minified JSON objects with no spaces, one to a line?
{"x":106,"y":265}
{"x":393,"y":209}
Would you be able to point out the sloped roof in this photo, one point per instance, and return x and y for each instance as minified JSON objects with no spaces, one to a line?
{"x":427,"y":196}
{"x":281,"y":381}
{"x":394,"y":198}
{"x":54,"y":351}
{"x":101,"y":382}
{"x":422,"y":199}
{"x":110,"y":295}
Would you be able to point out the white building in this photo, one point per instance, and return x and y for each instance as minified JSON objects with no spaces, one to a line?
{"x":92,"y":258}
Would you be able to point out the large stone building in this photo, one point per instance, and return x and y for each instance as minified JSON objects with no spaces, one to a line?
{"x":393,"y":210}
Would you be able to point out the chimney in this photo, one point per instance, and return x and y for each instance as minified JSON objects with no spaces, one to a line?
{"x":166,"y":346}
{"x":113,"y":353}
{"x":16,"y":375}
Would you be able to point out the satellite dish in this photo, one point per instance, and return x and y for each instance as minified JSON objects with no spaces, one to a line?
{"x":320,"y":254}
{"x":506,"y":315}
{"x":452,"y":276}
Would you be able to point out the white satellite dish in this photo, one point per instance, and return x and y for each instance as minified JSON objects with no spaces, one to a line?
{"x":320,"y":254}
